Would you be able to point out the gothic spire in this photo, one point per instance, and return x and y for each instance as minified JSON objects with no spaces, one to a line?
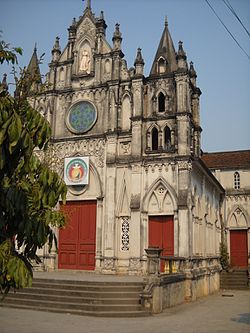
{"x":33,"y":67}
{"x":165,"y":58}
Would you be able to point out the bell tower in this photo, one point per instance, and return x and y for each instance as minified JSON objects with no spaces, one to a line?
{"x":173,"y":124}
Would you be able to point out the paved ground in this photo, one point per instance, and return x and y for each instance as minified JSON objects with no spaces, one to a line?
{"x":225,"y":312}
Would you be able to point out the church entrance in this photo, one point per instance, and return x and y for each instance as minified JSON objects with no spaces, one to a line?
{"x":77,"y":242}
{"x":161,"y":234}
{"x":238,"y":248}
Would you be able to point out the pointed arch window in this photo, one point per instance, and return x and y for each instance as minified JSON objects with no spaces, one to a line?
{"x":236,"y":180}
{"x":61,"y":74}
{"x":154,"y":138}
{"x":161,"y":102}
{"x":161,"y":66}
{"x":167,"y":138}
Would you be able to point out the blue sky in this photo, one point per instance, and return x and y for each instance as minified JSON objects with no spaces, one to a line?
{"x":223,"y":69}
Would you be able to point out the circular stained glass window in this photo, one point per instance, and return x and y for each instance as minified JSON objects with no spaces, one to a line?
{"x":81,"y":117}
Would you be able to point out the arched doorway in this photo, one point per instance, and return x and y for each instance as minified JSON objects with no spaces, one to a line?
{"x":77,"y":241}
{"x":238,"y":234}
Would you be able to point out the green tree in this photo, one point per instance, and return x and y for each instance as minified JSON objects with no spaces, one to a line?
{"x":29,"y":189}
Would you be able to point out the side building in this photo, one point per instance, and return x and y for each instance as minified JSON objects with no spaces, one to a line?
{"x":232,"y":169}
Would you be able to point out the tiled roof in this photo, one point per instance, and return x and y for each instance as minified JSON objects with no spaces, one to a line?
{"x":227,"y":160}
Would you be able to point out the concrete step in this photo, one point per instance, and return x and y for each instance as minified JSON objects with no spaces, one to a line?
{"x":86,"y":283}
{"x":237,"y":279}
{"x":110,"y":299}
{"x":84,"y":294}
{"x":133,"y":299}
{"x":34,"y":303}
{"x":120,"y":314}
{"x":88,"y":287}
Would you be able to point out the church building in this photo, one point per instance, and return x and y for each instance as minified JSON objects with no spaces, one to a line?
{"x":128,"y":147}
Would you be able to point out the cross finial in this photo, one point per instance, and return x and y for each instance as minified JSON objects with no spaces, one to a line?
{"x":166,"y":21}
{"x":88,"y":6}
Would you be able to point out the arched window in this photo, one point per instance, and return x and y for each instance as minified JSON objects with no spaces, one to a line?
{"x":161,"y":66}
{"x":61,"y":74}
{"x":161,"y":102}
{"x":236,"y":180}
{"x":154,"y":139}
{"x":167,"y":138}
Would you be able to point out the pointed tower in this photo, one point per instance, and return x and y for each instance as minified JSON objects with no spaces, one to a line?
{"x":33,"y":79}
{"x":165,"y":58}
{"x":174,"y":98}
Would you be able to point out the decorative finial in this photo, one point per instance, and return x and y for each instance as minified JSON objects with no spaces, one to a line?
{"x":74,"y":21}
{"x":35,"y":48}
{"x":192,"y":71}
{"x":139,"y":60}
{"x":117,"y":32}
{"x":181,"y":52}
{"x":57,"y":45}
{"x":117,"y":37}
{"x":102,"y":15}
{"x":166,"y":21}
{"x":88,"y":4}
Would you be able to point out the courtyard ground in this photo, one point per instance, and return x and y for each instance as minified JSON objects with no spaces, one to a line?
{"x":224,"y":312}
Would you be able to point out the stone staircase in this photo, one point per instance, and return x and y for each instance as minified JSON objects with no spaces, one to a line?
{"x":101,"y":299}
{"x":236,"y":279}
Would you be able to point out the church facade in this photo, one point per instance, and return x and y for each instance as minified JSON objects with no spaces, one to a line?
{"x":128,"y":147}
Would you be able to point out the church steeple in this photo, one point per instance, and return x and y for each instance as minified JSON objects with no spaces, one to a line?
{"x":165,"y":58}
{"x":33,"y":68}
{"x":32,"y":79}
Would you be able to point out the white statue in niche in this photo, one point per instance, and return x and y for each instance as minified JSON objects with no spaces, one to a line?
{"x":85,"y":62}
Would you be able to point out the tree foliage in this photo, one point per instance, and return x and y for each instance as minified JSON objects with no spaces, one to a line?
{"x":29,"y":189}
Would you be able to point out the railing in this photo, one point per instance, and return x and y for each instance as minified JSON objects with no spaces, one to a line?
{"x":171,"y":265}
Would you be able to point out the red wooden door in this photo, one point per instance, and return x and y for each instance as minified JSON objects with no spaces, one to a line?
{"x":77,"y":241}
{"x":161,"y":234}
{"x":238,"y":248}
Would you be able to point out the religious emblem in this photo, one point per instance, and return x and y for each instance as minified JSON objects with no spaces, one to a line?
{"x":76,"y":171}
